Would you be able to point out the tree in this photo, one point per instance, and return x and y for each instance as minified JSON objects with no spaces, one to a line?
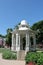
{"x":9,"y":37}
{"x":39,"y":28}
{"x":17,"y":26}
{"x":2,"y":36}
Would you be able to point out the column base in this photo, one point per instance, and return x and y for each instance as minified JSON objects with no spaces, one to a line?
{"x":17,"y":48}
{"x":27,"y":49}
{"x":12,"y":48}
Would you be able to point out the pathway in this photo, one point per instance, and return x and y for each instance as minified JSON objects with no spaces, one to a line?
{"x":10,"y":62}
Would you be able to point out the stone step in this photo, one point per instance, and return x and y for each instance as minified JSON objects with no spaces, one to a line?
{"x":21,"y":55}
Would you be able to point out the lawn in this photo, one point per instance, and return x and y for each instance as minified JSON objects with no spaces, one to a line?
{"x":3,"y":50}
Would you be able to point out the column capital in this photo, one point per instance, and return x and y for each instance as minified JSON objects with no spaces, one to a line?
{"x":12,"y":35}
{"x":17,"y":33}
{"x":34,"y":35}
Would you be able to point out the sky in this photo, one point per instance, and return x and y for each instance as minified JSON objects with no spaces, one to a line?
{"x":14,"y":11}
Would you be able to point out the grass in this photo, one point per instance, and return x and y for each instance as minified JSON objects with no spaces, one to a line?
{"x":39,"y":50}
{"x":4,"y":49}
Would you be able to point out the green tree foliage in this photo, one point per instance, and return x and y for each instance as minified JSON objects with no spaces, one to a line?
{"x":39,"y":28}
{"x":9,"y":37}
{"x":2,"y":36}
{"x":17,"y":26}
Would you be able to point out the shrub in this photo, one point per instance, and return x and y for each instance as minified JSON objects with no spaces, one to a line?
{"x":40,"y":61}
{"x":40,"y":58}
{"x":31,"y":57}
{"x":8,"y":55}
{"x":36,"y":57}
{"x":14,"y":56}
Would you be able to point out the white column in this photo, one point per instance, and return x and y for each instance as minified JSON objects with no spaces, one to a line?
{"x":27,"y":42}
{"x":12,"y":42}
{"x":17,"y":42}
{"x":34,"y":41}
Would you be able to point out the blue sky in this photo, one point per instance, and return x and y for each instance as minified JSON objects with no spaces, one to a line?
{"x":13,"y":11}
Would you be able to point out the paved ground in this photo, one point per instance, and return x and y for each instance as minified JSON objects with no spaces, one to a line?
{"x":10,"y":62}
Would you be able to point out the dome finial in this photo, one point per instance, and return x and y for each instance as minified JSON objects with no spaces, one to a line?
{"x":23,"y":22}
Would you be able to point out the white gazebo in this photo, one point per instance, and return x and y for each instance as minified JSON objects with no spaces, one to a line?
{"x":21,"y":38}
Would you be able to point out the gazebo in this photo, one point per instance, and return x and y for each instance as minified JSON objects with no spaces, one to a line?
{"x":21,"y":38}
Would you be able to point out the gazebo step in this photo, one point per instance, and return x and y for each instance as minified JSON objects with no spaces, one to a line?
{"x":21,"y":55}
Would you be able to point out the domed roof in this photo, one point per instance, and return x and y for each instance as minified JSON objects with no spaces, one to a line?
{"x":23,"y":25}
{"x":23,"y":22}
